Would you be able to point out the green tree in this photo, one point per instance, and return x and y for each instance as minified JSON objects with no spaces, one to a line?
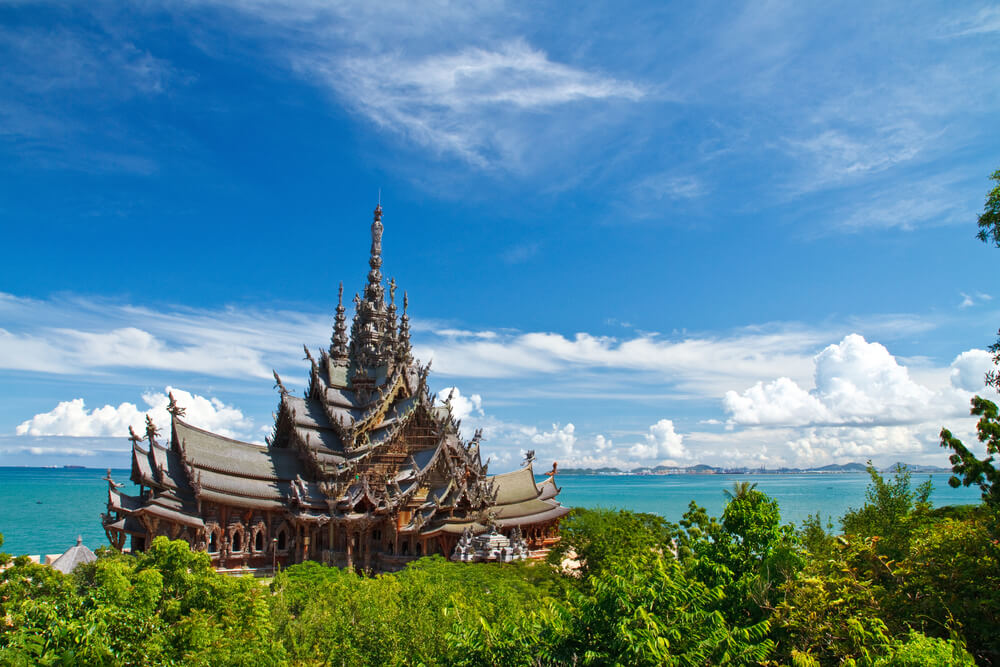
{"x":950,"y":581}
{"x":164,"y":607}
{"x":989,"y":221}
{"x":968,"y":469}
{"x":604,"y":538}
{"x":640,"y":613}
{"x":892,"y":510}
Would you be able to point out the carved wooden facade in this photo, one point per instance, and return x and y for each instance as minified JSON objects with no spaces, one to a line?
{"x":366,"y":470}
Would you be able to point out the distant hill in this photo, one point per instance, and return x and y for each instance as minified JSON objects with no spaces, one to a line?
{"x":704,"y":469}
{"x":841,"y":467}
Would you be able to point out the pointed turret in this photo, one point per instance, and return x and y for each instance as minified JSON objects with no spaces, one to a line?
{"x":403,"y":350}
{"x":391,"y":335}
{"x":369,"y":328}
{"x":338,"y":347}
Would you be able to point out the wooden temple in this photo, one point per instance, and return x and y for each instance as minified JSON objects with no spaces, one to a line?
{"x":367,"y":470}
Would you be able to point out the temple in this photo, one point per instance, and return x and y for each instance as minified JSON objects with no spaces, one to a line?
{"x":368,"y":470}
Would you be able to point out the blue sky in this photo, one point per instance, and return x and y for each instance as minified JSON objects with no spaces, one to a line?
{"x":631,"y":234}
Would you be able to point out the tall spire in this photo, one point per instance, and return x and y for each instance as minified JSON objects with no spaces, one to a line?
{"x":390,"y":320}
{"x":338,"y":350}
{"x":368,"y":332}
{"x":403,"y":355}
{"x":374,"y":293}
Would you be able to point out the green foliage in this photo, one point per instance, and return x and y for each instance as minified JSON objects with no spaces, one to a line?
{"x":642,"y":613}
{"x":336,"y":617}
{"x":603,"y":538}
{"x":748,"y":554}
{"x":919,"y":651}
{"x":893,"y":509}
{"x":164,"y":607}
{"x":817,"y":538}
{"x":951,"y":577}
{"x":967,"y":467}
{"x":989,"y":221}
{"x":906,"y":585}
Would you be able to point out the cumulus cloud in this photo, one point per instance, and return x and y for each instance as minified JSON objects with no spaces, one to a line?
{"x":864,"y":404}
{"x":661,"y":442}
{"x":968,"y":370}
{"x":856,"y":382}
{"x":559,"y":441}
{"x":72,"y":418}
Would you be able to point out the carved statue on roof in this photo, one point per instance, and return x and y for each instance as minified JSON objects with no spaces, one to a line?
{"x":278,"y":385}
{"x":151,"y":430}
{"x":173,"y":408}
{"x":529,"y":458}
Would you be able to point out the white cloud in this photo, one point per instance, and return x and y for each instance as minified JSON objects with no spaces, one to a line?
{"x":969,"y":300}
{"x":661,"y":442}
{"x":560,"y":441}
{"x":968,"y":370}
{"x":72,"y":418}
{"x":838,"y":155}
{"x":113,"y":336}
{"x":856,"y":382}
{"x":462,"y":407}
{"x":864,"y":405}
{"x":985,"y":21}
{"x":701,"y":366}
{"x":467,"y":103}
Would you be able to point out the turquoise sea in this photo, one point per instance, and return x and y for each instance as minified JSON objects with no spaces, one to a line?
{"x":42,"y":510}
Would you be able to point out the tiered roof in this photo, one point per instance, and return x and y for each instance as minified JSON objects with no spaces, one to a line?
{"x":367,"y":439}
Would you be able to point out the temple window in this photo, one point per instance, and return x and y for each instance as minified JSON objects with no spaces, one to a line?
{"x":282,"y":541}
{"x":237,"y":541}
{"x":258,"y":544}
{"x":213,"y":543}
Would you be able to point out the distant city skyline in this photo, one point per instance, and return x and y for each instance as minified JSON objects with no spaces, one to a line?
{"x":630,"y":236}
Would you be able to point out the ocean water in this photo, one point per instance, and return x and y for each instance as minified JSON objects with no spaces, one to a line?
{"x":42,"y":510}
{"x":798,"y":495}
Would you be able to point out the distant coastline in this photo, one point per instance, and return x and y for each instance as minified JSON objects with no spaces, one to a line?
{"x":703,"y":469}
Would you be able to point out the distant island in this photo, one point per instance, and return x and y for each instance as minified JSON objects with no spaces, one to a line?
{"x":703,"y":469}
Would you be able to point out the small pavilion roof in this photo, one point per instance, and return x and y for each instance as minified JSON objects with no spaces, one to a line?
{"x":74,"y":556}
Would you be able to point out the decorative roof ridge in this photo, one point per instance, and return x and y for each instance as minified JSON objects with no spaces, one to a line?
{"x":345,"y":432}
{"x":245,"y":494}
{"x":386,"y":396}
{"x":229,"y":472}
{"x":263,"y":448}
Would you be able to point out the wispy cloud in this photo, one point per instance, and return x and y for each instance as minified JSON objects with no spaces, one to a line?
{"x":465,"y":103}
{"x":114,"y":336}
{"x":984,"y":21}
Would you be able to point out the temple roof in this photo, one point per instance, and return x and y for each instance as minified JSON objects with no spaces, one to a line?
{"x":368,"y":436}
{"x":211,"y":452}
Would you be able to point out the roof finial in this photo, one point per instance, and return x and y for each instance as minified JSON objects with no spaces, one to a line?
{"x":173,"y":408}
{"x":151,"y":430}
{"x":403,"y":351}
{"x":338,"y":350}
